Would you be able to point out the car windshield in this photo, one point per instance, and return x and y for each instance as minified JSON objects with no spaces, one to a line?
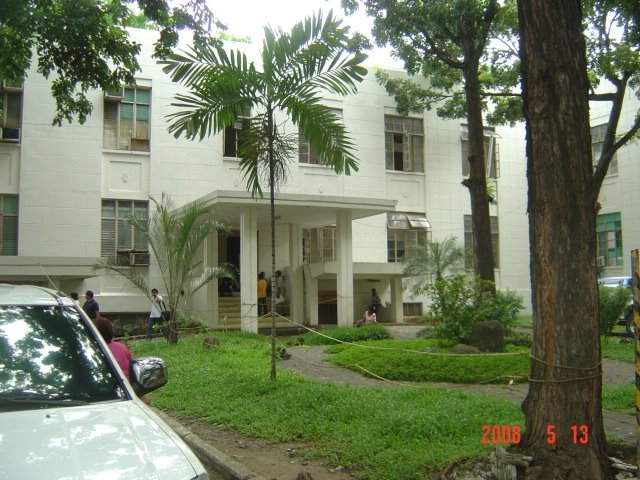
{"x":49,"y":358}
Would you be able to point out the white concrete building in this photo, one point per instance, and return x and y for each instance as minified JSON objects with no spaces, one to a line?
{"x":64,"y":189}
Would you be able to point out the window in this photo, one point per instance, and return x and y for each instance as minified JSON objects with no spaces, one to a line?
{"x":403,"y":231}
{"x":328,"y":243}
{"x":319,"y":244}
{"x":126,"y":119}
{"x":597,"y":143}
{"x":233,"y":137}
{"x":468,"y":241}
{"x":8,"y":225}
{"x":11,"y":107}
{"x":306,"y":154}
{"x":404,"y":144}
{"x":609,"y":240}
{"x":491,"y":152}
{"x":120,"y":241}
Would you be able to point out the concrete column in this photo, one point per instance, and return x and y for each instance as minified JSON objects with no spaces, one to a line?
{"x":397,"y":315}
{"x":311,"y":297}
{"x":296,"y":298}
{"x":248,"y":269}
{"x":210,"y":260}
{"x":344,"y":260}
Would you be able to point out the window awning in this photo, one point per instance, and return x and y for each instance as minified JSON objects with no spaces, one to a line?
{"x":405,"y":221}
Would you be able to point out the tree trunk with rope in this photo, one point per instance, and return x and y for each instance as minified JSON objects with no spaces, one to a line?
{"x":563,"y":410}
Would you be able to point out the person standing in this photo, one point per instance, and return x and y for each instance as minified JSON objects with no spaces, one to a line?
{"x":375,"y":300}
{"x":91,"y":306}
{"x":75,"y":298}
{"x":155,"y":316}
{"x":262,"y":294}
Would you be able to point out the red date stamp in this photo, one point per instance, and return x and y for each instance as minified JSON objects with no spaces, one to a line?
{"x":511,"y":434}
{"x":500,"y":434}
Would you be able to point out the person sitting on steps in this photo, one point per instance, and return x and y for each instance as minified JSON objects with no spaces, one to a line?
{"x":368,"y":318}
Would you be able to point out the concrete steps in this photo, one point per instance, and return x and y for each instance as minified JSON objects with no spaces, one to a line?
{"x":229,"y":315}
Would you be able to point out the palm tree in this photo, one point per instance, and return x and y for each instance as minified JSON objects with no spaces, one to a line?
{"x":296,"y":68}
{"x":424,"y":264}
{"x":174,"y":237}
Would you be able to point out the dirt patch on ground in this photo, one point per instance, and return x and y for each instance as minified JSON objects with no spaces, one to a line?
{"x":274,"y":461}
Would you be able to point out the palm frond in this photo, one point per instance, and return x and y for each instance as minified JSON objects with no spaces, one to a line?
{"x":325,"y":133}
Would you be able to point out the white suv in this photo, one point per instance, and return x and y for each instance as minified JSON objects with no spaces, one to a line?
{"x":66,"y":409}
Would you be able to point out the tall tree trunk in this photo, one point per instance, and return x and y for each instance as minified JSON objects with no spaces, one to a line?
{"x":564,"y":430}
{"x":272,"y":206}
{"x":483,"y":264}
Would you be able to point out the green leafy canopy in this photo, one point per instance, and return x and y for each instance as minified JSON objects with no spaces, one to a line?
{"x":83,"y":44}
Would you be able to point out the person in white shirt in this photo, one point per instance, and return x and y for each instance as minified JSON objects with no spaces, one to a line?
{"x":157,"y":307}
{"x":368,"y":318}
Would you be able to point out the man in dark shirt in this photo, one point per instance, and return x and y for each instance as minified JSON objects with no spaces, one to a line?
{"x":91,"y":307}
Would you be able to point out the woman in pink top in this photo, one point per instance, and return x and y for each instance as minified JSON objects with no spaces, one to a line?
{"x":119,"y":350}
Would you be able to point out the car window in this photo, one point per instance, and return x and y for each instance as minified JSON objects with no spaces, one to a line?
{"x":49,"y":358}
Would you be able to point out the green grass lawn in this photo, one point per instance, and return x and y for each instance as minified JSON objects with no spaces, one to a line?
{"x":619,"y":398}
{"x":379,"y":433}
{"x":613,"y":348}
{"x":430,"y":361}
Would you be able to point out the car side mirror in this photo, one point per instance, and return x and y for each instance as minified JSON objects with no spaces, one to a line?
{"x":147,"y":374}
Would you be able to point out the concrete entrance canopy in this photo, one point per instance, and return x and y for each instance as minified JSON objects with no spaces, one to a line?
{"x":307,"y":211}
{"x":299,"y":211}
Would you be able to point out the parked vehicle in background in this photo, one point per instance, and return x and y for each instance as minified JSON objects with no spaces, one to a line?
{"x":66,"y":408}
{"x":626,"y":318}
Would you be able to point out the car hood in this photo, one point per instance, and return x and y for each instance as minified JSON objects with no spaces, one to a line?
{"x":114,"y":440}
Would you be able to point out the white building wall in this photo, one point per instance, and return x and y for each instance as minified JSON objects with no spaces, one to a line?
{"x":63,"y":173}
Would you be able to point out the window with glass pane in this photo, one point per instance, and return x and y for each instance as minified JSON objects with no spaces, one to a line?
{"x":491,"y":153}
{"x":126,"y":121}
{"x":233,"y":135}
{"x":119,"y":239}
{"x":11,"y":107}
{"x":403,"y":231}
{"x":8,"y":225}
{"x":597,"y":144}
{"x":609,"y":238}
{"x":404,"y":144}
{"x":468,"y":241}
{"x":306,"y":153}
{"x":328,"y":235}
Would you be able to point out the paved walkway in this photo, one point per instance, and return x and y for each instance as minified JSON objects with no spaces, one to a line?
{"x":312,"y":362}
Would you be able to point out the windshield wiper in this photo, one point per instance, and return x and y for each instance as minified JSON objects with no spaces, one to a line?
{"x":41,"y":401}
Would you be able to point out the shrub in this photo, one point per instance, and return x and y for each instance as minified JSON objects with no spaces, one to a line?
{"x":611,"y":306}
{"x":330,"y":336}
{"x":458,"y":303}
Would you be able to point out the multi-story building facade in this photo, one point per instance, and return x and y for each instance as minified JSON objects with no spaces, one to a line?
{"x":65,"y":192}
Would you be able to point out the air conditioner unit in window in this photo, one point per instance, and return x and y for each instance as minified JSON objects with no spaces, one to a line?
{"x":10,"y":134}
{"x":600,"y":261}
{"x":139,"y":144}
{"x":139,"y":259}
{"x":114,"y":95}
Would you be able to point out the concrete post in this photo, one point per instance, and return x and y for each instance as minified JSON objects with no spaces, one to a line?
{"x":248,"y":269}
{"x":296,"y":298}
{"x":397,"y":315}
{"x":344,"y":259}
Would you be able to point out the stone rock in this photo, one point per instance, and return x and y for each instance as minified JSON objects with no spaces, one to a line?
{"x":488,"y":336}
{"x":462,"y":348}
{"x":210,"y":342}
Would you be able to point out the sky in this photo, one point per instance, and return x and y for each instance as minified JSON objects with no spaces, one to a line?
{"x":247,"y":17}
